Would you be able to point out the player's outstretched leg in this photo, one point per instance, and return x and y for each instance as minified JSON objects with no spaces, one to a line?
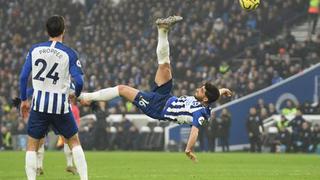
{"x":107,"y":94}
{"x":163,"y":74}
{"x":101,"y":95}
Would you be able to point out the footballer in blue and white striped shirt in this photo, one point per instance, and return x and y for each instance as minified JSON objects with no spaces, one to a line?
{"x":52,"y":64}
{"x":159,"y":103}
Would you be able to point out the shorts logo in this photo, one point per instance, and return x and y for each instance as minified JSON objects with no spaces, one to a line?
{"x":143,"y":102}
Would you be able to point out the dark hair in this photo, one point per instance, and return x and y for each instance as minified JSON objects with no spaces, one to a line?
{"x":212,"y":92}
{"x":55,"y":26}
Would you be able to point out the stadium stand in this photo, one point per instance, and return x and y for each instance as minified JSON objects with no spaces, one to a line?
{"x":117,"y":42}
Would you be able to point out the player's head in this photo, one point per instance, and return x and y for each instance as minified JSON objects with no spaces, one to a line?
{"x":207,"y":94}
{"x":55,"y":26}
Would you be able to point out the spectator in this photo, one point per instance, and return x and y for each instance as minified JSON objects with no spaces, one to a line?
{"x":254,"y":127}
{"x":21,"y":128}
{"x":276,"y":77}
{"x":271,"y":109}
{"x":302,"y":141}
{"x":224,"y":67}
{"x":225,"y":125}
{"x":213,"y":131}
{"x":316,"y":138}
{"x":100,"y":133}
{"x":264,"y":114}
{"x":296,"y":122}
{"x":203,"y":134}
{"x":86,"y":133}
{"x":127,"y":134}
{"x":261,"y":105}
{"x":283,"y":123}
{"x":313,"y":14}
{"x":111,"y":135}
{"x":218,"y":26}
{"x":282,"y":141}
{"x":308,"y":108}
{"x":305,"y":137}
{"x":289,"y":109}
{"x":6,"y":138}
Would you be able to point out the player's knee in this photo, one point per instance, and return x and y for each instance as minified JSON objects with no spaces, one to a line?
{"x":122,"y":89}
{"x":32,"y":144}
{"x":165,"y":68}
{"x":73,"y":141}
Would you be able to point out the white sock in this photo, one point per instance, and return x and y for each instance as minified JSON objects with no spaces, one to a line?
{"x":31,"y":165}
{"x":40,"y":155}
{"x":68,"y":154}
{"x":80,"y":162}
{"x":163,"y":50}
{"x":101,"y":95}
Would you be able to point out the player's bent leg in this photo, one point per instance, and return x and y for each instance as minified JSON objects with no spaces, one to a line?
{"x":163,"y":49}
{"x":31,"y":158}
{"x":163,"y":74}
{"x":78,"y":156}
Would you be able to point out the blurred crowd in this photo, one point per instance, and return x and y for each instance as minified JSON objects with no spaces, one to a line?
{"x":117,"y":42}
{"x":283,"y":135}
{"x":120,"y":135}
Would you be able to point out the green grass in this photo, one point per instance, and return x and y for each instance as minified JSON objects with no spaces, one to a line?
{"x":175,"y":166}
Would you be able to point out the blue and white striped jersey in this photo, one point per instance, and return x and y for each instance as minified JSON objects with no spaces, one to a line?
{"x":52,"y":65}
{"x":186,"y":110}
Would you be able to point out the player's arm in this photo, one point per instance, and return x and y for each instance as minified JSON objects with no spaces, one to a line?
{"x":191,"y":142}
{"x":24,"y":75}
{"x":78,"y":83}
{"x":76,"y":73}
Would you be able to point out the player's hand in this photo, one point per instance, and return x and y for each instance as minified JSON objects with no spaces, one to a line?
{"x":191,"y":156}
{"x":225,"y":92}
{"x":16,"y":102}
{"x":72,"y":97}
{"x":24,"y":109}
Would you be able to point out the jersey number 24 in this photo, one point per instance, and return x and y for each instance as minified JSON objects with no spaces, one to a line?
{"x":51,"y":74}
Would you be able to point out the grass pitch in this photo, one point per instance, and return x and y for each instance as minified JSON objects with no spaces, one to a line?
{"x":171,"y":166}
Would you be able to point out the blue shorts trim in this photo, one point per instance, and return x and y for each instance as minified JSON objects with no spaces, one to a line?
{"x":152,"y":103}
{"x":63,"y":124}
